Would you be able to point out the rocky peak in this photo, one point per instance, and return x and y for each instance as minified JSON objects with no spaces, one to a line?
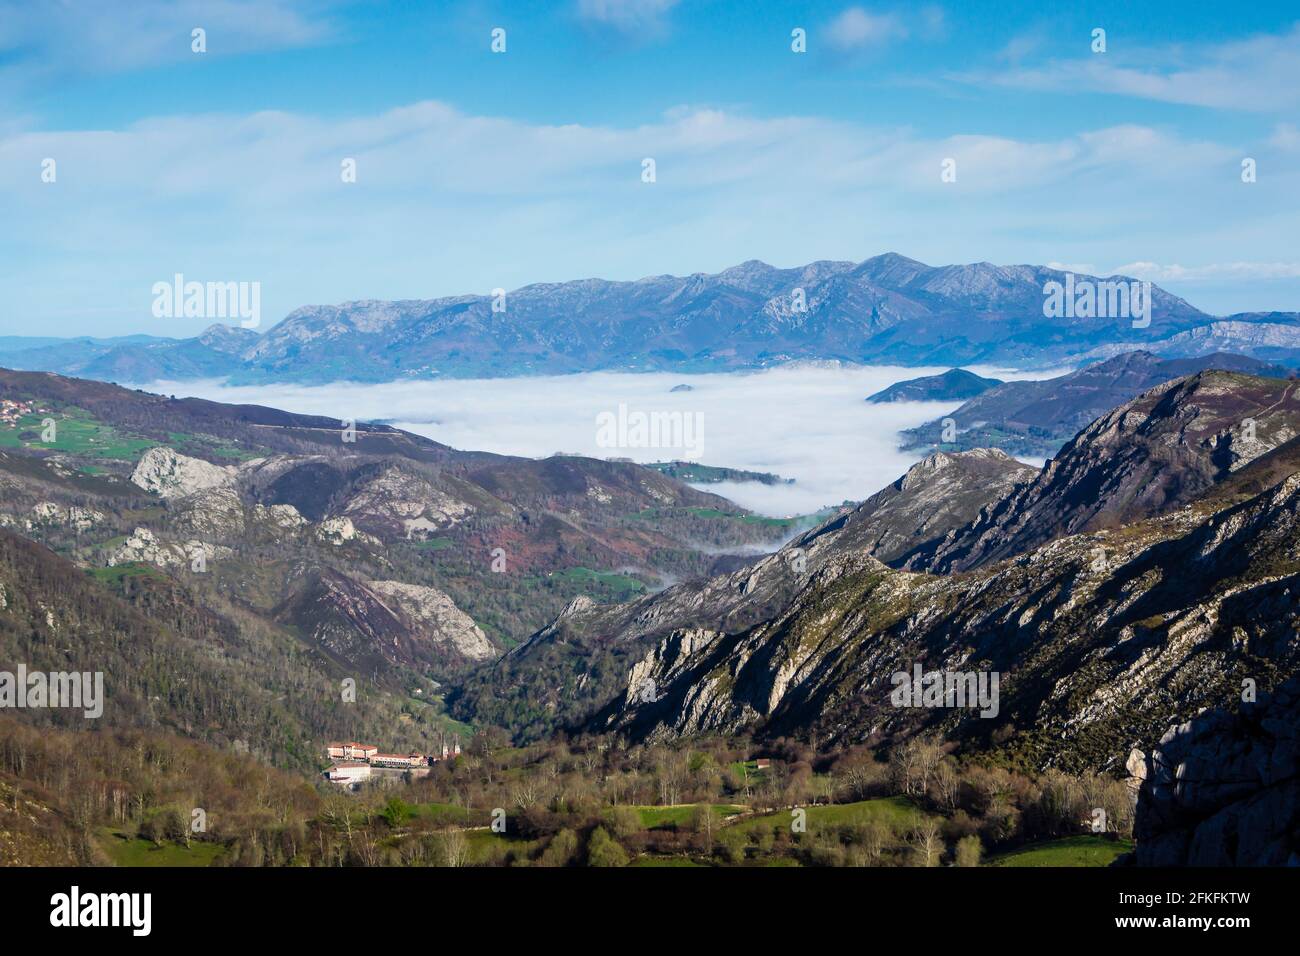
{"x":168,"y":474}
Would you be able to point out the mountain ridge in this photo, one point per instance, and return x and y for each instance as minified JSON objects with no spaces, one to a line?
{"x":882,"y":310}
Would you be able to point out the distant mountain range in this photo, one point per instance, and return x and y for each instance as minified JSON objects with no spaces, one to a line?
{"x":887,"y":309}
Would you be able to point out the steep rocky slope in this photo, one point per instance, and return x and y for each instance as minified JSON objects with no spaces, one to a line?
{"x":1154,"y":453}
{"x":1100,"y":641}
{"x":939,"y":494}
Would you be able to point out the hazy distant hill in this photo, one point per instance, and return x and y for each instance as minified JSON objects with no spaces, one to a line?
{"x":887,"y":309}
{"x":956,"y":383}
{"x":1037,"y":418}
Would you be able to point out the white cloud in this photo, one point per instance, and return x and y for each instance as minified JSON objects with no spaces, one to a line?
{"x":259,"y":197}
{"x":856,"y":28}
{"x":89,"y":36}
{"x":1238,"y":271}
{"x":630,"y":17}
{"x":1286,"y":137}
{"x":1259,"y":73}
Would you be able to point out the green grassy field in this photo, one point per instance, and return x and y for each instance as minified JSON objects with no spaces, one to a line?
{"x":897,"y":813}
{"x":620,"y":586}
{"x":131,"y":569}
{"x":1083,"y":850}
{"x":125,"y":850}
{"x":681,"y":816}
{"x":664,"y":861}
{"x":211,"y":445}
{"x":76,"y":433}
{"x":433,"y":544}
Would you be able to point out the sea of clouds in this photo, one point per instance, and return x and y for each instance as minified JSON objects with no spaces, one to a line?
{"x":806,"y":422}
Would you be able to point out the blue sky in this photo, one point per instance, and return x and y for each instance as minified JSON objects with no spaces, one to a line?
{"x":477,"y":170}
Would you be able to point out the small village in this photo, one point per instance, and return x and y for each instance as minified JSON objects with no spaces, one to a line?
{"x":356,"y":763}
{"x":11,"y":412}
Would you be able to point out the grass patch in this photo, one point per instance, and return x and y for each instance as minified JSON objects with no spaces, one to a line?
{"x":1084,"y":850}
{"x":433,"y":544}
{"x":126,"y":850}
{"x":76,"y":433}
{"x":658,"y":818}
{"x":131,"y":569}
{"x":664,"y":861}
{"x":619,"y":586}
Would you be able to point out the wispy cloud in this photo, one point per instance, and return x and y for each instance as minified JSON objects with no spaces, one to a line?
{"x":856,"y":29}
{"x":1258,"y":74}
{"x":859,"y":30}
{"x":1237,"y":271}
{"x":88,"y":36}
{"x":633,"y":18}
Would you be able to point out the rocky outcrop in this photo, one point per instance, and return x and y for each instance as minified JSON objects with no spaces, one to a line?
{"x":278,"y":517}
{"x":367,"y":625}
{"x":940,"y":493}
{"x":73,"y":516}
{"x":1223,"y":789}
{"x":404,"y":503}
{"x":218,"y":512}
{"x":142,"y":545}
{"x":438,"y":618}
{"x":169,"y":474}
{"x":340,"y":531}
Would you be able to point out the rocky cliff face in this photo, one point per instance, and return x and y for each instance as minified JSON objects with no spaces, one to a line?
{"x":1152,"y":454}
{"x":1223,"y":789}
{"x":364,"y":626}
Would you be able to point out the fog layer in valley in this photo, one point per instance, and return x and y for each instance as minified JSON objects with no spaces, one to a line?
{"x":810,"y":423}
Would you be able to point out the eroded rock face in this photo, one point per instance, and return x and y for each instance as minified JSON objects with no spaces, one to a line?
{"x":338,"y":531}
{"x":142,"y":545}
{"x":396,"y":499}
{"x":168,"y":474}
{"x":437,"y":617}
{"x":1223,"y":789}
